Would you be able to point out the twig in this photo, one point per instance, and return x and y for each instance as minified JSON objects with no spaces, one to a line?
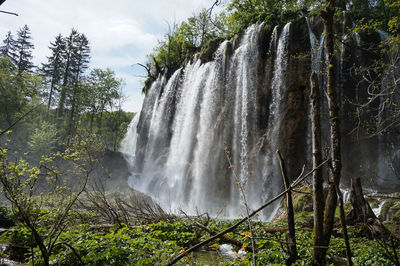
{"x":294,"y":184}
{"x":73,"y":250}
{"x":19,"y":119}
{"x":238,"y":182}
{"x":10,"y":13}
{"x":223,"y":238}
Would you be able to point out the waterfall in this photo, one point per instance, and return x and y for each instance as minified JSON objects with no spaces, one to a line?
{"x":278,"y":87}
{"x":176,"y":144}
{"x":128,"y":144}
{"x":251,"y":98}
{"x":315,"y":59}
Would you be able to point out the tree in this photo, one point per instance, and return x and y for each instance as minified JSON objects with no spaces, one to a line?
{"x":319,"y":258}
{"x":53,"y":69}
{"x":79,"y":63}
{"x":16,"y":90}
{"x":68,"y":77}
{"x":105,"y":93}
{"x":8,"y":47}
{"x":378,"y":113}
{"x":20,"y":184}
{"x":23,"y":50}
{"x":43,"y":141}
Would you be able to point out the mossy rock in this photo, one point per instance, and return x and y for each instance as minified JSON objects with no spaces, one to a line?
{"x":385,"y":208}
{"x":394,"y":213}
{"x":207,"y":52}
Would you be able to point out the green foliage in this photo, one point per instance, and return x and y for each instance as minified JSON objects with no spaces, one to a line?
{"x":43,"y":140}
{"x":6,"y":219}
{"x":184,"y":234}
{"x":182,"y":42}
{"x":18,"y":236}
{"x":17,"y":90}
{"x":20,"y":185}
{"x":143,"y":245}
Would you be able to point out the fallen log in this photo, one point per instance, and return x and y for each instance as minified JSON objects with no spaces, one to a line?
{"x":224,"y":238}
{"x":282,"y":229}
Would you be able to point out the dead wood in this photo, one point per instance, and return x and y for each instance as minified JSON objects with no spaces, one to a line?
{"x":224,"y":238}
{"x":360,"y":211}
{"x":290,"y":214}
{"x":282,"y":229}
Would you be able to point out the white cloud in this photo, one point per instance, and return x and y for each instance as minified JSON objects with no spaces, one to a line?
{"x":121,"y":32}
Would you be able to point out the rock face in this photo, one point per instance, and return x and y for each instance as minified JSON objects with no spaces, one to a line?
{"x":252,"y":98}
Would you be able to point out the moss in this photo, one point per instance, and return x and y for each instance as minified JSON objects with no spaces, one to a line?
{"x":304,"y":219}
{"x":228,"y":49}
{"x":208,"y":50}
{"x":303,"y":201}
{"x":386,"y":207}
{"x":396,"y":215}
{"x":373,"y":202}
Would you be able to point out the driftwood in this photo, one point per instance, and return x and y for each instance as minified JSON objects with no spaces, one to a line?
{"x":230,"y":229}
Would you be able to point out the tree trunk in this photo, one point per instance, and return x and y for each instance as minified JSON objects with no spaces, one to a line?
{"x":344,"y":227}
{"x":331,"y":202}
{"x":289,"y":205}
{"x":318,"y":189}
{"x":360,"y":211}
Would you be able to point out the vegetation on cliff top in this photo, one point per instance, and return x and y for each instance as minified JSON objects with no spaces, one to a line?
{"x":184,"y":40}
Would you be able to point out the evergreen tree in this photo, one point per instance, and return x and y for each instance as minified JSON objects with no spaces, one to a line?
{"x":81,"y":56}
{"x":8,"y":47}
{"x":67,"y":55}
{"x":23,"y":50}
{"x":79,"y":64}
{"x":53,"y":69}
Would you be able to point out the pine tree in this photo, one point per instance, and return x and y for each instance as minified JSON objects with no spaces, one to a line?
{"x":23,"y":50}
{"x":8,"y":47}
{"x":67,"y":55}
{"x":53,"y":69}
{"x":79,"y":63}
{"x":75,"y":55}
{"x":81,"y":56}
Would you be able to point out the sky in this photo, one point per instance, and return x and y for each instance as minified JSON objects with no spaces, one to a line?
{"x":121,"y":32}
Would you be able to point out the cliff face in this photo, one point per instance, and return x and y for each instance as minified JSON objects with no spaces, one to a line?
{"x":252,"y":98}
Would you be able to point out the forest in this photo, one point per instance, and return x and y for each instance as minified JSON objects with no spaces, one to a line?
{"x":268,"y":135}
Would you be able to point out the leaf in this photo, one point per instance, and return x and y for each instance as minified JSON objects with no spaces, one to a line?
{"x":246,"y":234}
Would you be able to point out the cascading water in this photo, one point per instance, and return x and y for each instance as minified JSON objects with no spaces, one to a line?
{"x":315,"y":54}
{"x":252,"y":99}
{"x":181,"y":160}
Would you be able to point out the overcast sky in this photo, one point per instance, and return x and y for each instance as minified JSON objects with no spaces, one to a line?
{"x":121,"y":32}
